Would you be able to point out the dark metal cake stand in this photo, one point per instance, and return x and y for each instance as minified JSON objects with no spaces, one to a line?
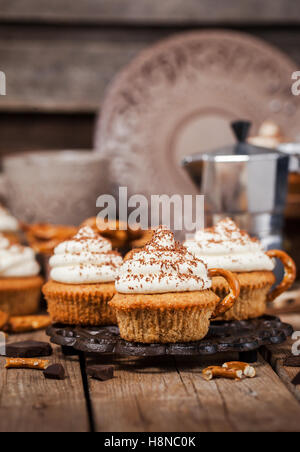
{"x":244,"y":337}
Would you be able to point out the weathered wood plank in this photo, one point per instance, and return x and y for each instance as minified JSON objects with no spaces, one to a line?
{"x":261,"y":404}
{"x":63,"y":70}
{"x":59,"y":69}
{"x":151,"y":11}
{"x":28,"y":132}
{"x":145,"y":395}
{"x":276,"y":355}
{"x":168,"y":394}
{"x":30,"y":403}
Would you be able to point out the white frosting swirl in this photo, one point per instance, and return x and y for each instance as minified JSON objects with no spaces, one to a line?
{"x":226,"y":246}
{"x":162,"y":266}
{"x":16,"y":260}
{"x":8,"y":223}
{"x":86,"y":259}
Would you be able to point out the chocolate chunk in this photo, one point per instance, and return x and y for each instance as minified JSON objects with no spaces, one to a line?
{"x":292,"y":361}
{"x":296,"y":380}
{"x":55,"y":372}
{"x":28,"y":349}
{"x":100,"y":372}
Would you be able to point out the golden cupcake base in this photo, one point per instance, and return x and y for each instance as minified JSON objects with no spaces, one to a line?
{"x":252,"y":302}
{"x":164,"y":318}
{"x":81,"y":304}
{"x":20,"y":296}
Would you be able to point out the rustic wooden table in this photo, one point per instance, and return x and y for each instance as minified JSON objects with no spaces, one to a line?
{"x":153,"y":394}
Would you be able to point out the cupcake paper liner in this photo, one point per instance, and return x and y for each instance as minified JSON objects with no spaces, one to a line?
{"x":80,"y":304}
{"x":164,"y":326}
{"x":164,"y":318}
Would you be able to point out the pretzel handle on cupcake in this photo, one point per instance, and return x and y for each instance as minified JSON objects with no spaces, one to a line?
{"x":290,"y":271}
{"x":234,"y":293}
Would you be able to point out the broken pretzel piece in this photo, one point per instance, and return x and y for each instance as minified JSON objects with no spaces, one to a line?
{"x":26,"y":363}
{"x":248,"y":371}
{"x":24,"y":324}
{"x":3,"y":319}
{"x":220,"y":372}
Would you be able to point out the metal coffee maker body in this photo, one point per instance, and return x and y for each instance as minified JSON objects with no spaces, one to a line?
{"x":245,"y":182}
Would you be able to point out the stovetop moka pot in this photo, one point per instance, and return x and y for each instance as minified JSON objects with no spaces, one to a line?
{"x":246,"y":182}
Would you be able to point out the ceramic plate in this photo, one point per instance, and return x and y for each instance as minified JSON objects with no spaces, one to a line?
{"x":178,"y":97}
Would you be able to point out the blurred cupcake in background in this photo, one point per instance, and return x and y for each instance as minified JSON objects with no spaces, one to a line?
{"x":10,"y":226}
{"x":20,"y":283}
{"x":122,"y":236}
{"x":144,"y":237}
{"x":44,"y":238}
{"x":115,"y":231}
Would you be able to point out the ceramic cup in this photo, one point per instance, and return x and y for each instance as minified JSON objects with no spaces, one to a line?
{"x":59,"y":187}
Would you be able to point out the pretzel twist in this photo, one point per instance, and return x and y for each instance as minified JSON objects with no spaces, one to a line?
{"x":26,"y":363}
{"x":220,"y":372}
{"x":248,"y":371}
{"x":234,"y":293}
{"x":290,"y":272}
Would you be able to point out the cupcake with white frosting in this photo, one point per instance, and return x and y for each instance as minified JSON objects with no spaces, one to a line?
{"x":164,"y":293}
{"x":9,"y":225}
{"x":226,"y":246}
{"x":82,"y":275}
{"x":20,"y":283}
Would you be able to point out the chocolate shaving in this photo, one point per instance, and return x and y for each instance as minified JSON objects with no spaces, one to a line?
{"x":100,"y":372}
{"x":55,"y":372}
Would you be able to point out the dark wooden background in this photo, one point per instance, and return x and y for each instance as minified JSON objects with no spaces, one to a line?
{"x":60,"y":55}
